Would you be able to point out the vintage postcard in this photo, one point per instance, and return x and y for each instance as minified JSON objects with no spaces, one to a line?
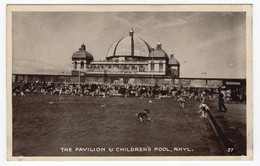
{"x":129,"y":82}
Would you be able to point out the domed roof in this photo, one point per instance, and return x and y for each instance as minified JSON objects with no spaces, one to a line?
{"x":173,"y":61}
{"x":129,"y":46}
{"x":158,"y":53}
{"x":82,"y":54}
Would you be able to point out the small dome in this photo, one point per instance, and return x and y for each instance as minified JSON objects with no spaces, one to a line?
{"x":82,"y":54}
{"x":158,"y":53}
{"x":173,"y":61}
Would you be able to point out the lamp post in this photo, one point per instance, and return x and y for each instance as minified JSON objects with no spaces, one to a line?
{"x":79,"y":77}
{"x":152,"y":68}
{"x":63,"y":76}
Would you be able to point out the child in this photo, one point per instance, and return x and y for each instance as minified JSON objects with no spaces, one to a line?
{"x":22,"y":94}
{"x":202,"y":97}
{"x":203,"y":110}
{"x":143,"y":115}
{"x":182,"y":101}
{"x":60,"y":92}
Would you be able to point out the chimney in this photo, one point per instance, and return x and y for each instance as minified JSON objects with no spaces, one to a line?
{"x":158,"y":46}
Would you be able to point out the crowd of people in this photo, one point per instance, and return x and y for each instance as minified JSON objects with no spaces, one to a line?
{"x":106,"y":90}
{"x":126,"y":90}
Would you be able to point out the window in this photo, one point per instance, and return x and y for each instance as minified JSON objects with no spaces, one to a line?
{"x":128,"y":59}
{"x":87,"y":68}
{"x":152,"y":66}
{"x":141,"y":69}
{"x":133,"y":67}
{"x":160,"y":66}
{"x":126,"y":67}
{"x":75,"y":65}
{"x":102,"y":68}
{"x":115,"y":59}
{"x":96,"y":68}
{"x":82,"y":65}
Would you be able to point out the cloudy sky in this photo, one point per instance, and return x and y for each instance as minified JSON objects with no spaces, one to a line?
{"x":203,"y":42}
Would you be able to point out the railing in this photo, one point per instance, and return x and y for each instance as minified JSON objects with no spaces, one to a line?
{"x":125,"y":72}
{"x":122,"y":72}
{"x":118,"y":62}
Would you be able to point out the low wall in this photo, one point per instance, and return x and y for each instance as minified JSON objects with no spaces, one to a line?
{"x":232,"y":141}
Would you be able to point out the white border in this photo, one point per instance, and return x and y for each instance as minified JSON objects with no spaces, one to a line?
{"x":256,"y":70}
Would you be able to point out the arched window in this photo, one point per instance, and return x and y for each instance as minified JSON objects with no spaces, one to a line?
{"x":134,"y":67}
{"x":87,"y":67}
{"x":126,"y":67}
{"x":141,"y":69}
{"x":82,"y":65}
{"x":75,"y":65}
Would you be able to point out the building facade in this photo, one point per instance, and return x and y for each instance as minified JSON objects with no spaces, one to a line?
{"x":129,"y":60}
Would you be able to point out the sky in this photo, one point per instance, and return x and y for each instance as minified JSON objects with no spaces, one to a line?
{"x":206,"y":44}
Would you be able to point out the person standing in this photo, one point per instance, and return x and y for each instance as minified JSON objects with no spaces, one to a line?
{"x":221,"y":101}
{"x":181,"y":100}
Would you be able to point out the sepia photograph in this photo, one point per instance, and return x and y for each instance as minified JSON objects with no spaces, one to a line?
{"x":136,"y":81}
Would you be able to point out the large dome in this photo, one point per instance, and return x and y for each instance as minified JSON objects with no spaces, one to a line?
{"x":129,"y":46}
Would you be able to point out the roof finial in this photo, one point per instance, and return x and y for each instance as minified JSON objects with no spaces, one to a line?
{"x":172,"y":55}
{"x":131,"y":32}
{"x":83,"y":47}
{"x":159,"y":45}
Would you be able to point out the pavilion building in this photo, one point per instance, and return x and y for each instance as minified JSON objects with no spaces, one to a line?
{"x":129,"y":60}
